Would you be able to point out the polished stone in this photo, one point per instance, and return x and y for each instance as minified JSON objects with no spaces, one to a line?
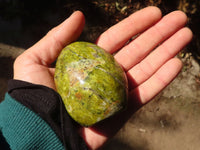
{"x":93,"y":86}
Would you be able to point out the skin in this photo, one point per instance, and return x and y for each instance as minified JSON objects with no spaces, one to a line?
{"x":148,"y":59}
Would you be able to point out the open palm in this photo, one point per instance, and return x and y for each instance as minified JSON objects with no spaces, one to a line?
{"x":148,"y":59}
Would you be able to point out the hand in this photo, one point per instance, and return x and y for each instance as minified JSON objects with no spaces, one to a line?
{"x":148,"y":59}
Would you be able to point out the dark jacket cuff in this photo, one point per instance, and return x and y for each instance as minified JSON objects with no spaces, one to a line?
{"x":48,"y":105}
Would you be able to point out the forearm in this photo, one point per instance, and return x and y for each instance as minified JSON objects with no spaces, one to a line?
{"x":23,"y":129}
{"x":32,"y":116}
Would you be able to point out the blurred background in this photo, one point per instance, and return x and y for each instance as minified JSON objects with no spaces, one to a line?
{"x":171,"y":120}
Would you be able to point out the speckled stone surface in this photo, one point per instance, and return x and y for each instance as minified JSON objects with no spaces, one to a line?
{"x":93,"y":86}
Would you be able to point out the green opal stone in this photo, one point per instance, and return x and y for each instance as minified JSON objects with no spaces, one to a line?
{"x":93,"y":86}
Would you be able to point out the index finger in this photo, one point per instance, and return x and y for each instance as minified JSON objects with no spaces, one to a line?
{"x":118,"y":35}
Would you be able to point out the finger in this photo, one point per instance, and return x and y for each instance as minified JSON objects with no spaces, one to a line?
{"x":48,"y":48}
{"x":115,"y":37}
{"x":158,"y":81}
{"x":135,"y":51}
{"x":147,"y":67}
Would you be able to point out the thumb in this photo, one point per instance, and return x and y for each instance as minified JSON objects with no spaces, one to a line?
{"x":48,"y":48}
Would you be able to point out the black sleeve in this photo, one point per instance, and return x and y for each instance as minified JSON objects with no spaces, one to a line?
{"x":49,"y":106}
{"x":3,"y":143}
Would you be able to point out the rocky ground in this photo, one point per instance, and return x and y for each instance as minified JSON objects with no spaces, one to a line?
{"x":171,"y":120}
